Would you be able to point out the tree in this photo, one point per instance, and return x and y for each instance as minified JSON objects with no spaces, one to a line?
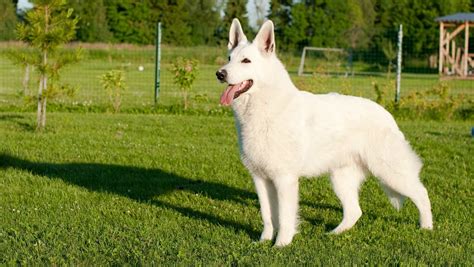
{"x":328,"y":29}
{"x":295,"y":32}
{"x":448,"y":7}
{"x":8,"y":20}
{"x":131,"y":21}
{"x":48,"y":26}
{"x":362,"y":16}
{"x":175,"y":17}
{"x":420,"y":31}
{"x":92,"y":25}
{"x":203,"y":20}
{"x":280,"y":14}
{"x":390,"y":53}
{"x":24,"y":59}
{"x":236,"y":9}
{"x":134,"y":21}
{"x":317,"y":23}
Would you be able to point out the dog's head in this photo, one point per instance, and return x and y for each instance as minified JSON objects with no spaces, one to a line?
{"x":247,"y":60}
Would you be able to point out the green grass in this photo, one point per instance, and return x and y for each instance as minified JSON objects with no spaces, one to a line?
{"x":101,"y":189}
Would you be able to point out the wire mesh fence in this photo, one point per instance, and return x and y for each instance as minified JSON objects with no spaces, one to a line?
{"x":324,"y":71}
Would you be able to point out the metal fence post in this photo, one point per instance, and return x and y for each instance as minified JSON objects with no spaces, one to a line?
{"x":157,"y":62}
{"x":399,"y":63}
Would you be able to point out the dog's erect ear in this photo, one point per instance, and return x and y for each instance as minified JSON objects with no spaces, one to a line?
{"x":265,"y":38}
{"x":236,"y":35}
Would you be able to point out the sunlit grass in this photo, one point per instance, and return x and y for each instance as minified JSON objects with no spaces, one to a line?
{"x":102,"y":189}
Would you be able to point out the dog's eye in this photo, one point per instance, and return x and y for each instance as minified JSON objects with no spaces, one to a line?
{"x":228,"y":58}
{"x":245,"y":60}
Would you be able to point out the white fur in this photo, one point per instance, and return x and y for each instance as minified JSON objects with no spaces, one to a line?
{"x":285,"y":133}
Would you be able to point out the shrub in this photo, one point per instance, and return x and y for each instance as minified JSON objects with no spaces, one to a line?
{"x":436,"y":103}
{"x":114,"y":83}
{"x":185,"y":72}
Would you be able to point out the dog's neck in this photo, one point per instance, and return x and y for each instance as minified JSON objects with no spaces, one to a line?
{"x":267,"y":94}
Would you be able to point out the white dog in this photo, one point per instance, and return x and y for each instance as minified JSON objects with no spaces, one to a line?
{"x":285,"y":133}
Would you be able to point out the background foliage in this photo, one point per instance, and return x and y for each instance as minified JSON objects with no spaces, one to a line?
{"x":356,"y":24}
{"x":8,"y":20}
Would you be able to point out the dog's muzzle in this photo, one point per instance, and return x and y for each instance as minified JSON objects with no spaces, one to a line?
{"x":221,"y":75}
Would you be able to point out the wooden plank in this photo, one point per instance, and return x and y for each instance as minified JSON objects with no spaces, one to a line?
{"x":450,"y":59}
{"x":453,"y":34}
{"x":452,"y":25}
{"x":441,"y":46}
{"x":448,"y":43}
{"x":453,"y":48}
{"x":457,"y":64}
{"x":466,"y":49}
{"x":447,"y":25}
{"x":471,"y":62}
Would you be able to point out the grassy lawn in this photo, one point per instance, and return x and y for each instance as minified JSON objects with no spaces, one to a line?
{"x":206,"y":91}
{"x":97,"y":189}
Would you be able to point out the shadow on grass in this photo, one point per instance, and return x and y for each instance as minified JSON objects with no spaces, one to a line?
{"x":139,"y":184}
{"x":319,"y":220}
{"x":20,"y":120}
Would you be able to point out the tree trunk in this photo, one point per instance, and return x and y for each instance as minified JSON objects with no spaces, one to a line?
{"x":185,"y":99}
{"x":40,"y":104}
{"x":118,"y":101}
{"x":42,"y":94}
{"x":26,"y":79}
{"x":41,"y":116}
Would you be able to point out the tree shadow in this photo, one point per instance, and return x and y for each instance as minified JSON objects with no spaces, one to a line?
{"x":19,"y":120}
{"x":139,"y":184}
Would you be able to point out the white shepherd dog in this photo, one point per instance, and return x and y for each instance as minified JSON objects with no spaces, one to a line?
{"x":285,"y":133}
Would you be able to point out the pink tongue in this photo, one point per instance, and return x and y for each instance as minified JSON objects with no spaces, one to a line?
{"x":228,"y":95}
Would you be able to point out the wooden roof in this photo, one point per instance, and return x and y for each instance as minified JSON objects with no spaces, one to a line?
{"x":458,"y":17}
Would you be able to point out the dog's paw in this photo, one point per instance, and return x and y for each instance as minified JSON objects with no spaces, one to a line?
{"x":283,"y":240}
{"x":338,"y":230}
{"x":282,"y":243}
{"x":267,"y":234}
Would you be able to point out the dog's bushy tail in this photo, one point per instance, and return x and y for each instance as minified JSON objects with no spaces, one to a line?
{"x":395,"y":198}
{"x":394,"y":162}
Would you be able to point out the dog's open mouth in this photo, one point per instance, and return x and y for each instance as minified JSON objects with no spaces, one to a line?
{"x":235,"y":90}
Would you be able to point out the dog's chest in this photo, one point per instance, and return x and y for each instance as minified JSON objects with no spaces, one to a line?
{"x":266,"y":146}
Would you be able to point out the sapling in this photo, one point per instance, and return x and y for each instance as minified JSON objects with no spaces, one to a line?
{"x":114,"y":83}
{"x":47,"y":27}
{"x":185,"y":72}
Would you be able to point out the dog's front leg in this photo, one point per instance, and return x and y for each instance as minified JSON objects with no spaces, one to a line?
{"x":287,"y":191}
{"x":267,"y":197}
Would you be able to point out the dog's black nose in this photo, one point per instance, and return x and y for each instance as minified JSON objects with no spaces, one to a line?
{"x":221,"y":75}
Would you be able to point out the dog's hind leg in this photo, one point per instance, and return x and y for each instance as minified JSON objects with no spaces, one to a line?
{"x":414,"y":190}
{"x":346,"y":182}
{"x":398,"y":168}
{"x":419,"y":196}
{"x":267,"y":197}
